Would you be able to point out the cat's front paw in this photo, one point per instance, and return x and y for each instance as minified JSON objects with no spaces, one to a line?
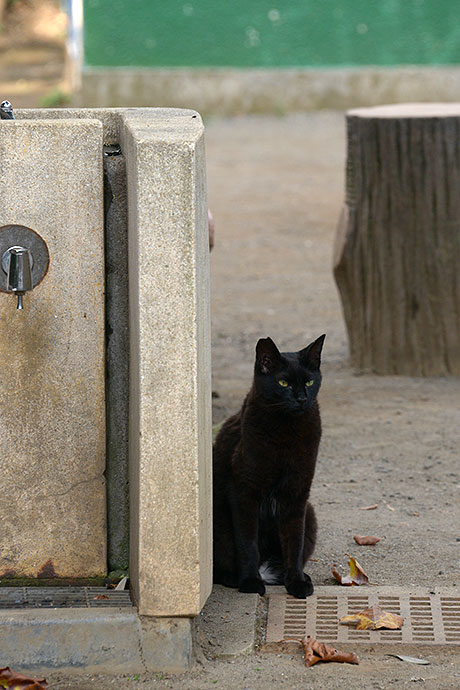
{"x":252,"y":584}
{"x":300,"y":588}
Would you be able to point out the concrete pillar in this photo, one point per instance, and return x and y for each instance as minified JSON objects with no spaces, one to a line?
{"x":170,"y":388}
{"x":52,"y":409}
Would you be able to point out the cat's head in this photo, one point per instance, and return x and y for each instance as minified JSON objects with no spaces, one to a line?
{"x":288,"y":381}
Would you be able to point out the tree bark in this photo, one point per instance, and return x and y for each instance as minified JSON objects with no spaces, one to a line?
{"x":397,"y":249}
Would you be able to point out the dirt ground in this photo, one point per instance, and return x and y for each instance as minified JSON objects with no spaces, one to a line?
{"x":32,"y":53}
{"x":276,"y":186}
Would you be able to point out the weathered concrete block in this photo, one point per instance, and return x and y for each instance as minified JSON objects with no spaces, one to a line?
{"x":81,"y":640}
{"x":52,"y":412}
{"x":93,"y":641}
{"x":167,"y":643}
{"x":229,"y":621}
{"x":170,"y":388}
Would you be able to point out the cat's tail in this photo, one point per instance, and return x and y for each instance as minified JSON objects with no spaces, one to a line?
{"x":272,"y":572}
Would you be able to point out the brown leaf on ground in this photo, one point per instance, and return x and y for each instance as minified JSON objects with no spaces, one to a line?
{"x":101,"y":596}
{"x":373,"y":507}
{"x":373,"y":619}
{"x":16,"y":681}
{"x":357,"y":575}
{"x":366,"y":541}
{"x":318,"y":651}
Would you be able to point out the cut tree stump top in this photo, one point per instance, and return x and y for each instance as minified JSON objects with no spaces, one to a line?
{"x":407,"y":110}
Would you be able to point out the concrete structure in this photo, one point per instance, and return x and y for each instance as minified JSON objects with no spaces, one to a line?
{"x":169,"y":350}
{"x":227,"y":91}
{"x":263,"y":57}
{"x":170,"y":415}
{"x":88,"y":641}
{"x":52,"y":410}
{"x":115,"y":640}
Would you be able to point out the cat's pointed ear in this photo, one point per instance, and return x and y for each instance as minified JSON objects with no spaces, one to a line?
{"x":268,"y":356}
{"x":310,"y":356}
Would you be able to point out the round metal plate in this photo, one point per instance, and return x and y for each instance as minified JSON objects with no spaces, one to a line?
{"x":11,"y":235}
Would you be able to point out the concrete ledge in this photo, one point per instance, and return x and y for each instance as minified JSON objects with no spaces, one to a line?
{"x":117,"y":640}
{"x":88,"y":641}
{"x":226,"y":91}
{"x":228,"y":623}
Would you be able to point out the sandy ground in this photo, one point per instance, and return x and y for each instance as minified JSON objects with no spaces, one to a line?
{"x":32,"y":53}
{"x":276,"y":189}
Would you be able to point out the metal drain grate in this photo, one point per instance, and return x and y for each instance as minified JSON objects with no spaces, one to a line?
{"x":62,"y":597}
{"x":429,"y":617}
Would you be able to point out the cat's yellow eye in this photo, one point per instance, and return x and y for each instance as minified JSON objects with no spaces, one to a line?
{"x":309,"y":383}
{"x":283,"y":383}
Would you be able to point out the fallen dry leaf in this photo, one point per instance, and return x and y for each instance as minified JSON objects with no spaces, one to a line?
{"x":101,"y":596}
{"x":366,"y":541}
{"x":16,"y":681}
{"x":373,"y":619}
{"x":318,"y":651}
{"x":373,"y":507}
{"x":357,"y":575}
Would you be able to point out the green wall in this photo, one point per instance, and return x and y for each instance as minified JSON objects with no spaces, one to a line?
{"x":271,"y":33}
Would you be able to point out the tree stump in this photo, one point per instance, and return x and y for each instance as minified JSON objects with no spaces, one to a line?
{"x":397,"y":249}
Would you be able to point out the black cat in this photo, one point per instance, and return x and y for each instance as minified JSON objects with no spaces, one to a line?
{"x":263,"y":462}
